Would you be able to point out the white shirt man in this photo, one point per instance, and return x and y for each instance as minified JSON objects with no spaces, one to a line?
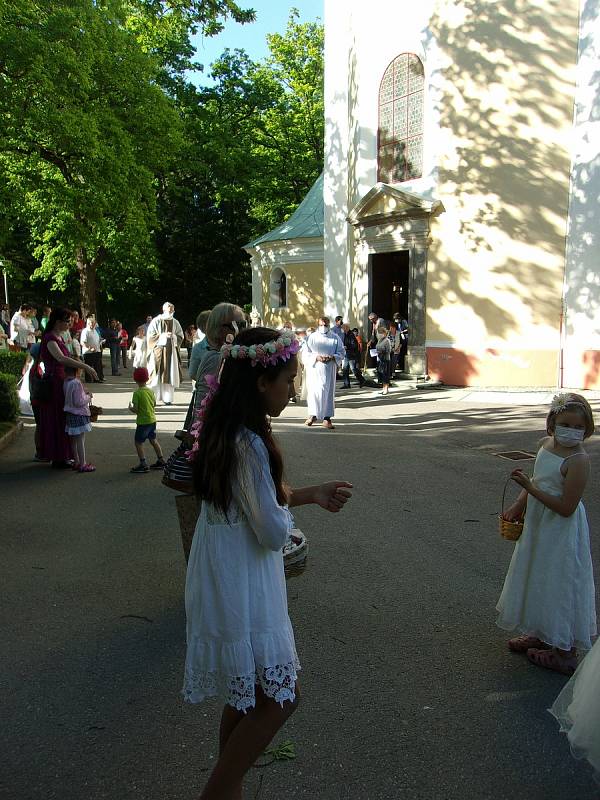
{"x":164,"y":337}
{"x":90,"y":338}
{"x":21,"y":328}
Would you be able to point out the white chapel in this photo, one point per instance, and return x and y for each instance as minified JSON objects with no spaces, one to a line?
{"x":460,"y":188}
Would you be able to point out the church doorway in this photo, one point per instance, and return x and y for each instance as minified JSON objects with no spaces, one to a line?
{"x":389,"y":284}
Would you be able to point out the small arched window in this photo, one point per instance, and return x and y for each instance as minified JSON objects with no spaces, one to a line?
{"x":400,"y":125}
{"x":278,"y":288}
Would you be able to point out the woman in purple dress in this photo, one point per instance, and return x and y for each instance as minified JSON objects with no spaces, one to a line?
{"x":54,"y":441}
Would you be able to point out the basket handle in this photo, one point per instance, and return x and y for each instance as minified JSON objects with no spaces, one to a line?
{"x":504,"y":495}
{"x":508,"y":480}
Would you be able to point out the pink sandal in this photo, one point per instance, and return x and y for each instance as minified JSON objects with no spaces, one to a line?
{"x":550,"y":659}
{"x":87,"y":468}
{"x":521,"y":644}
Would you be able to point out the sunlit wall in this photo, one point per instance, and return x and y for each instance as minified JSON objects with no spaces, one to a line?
{"x":499,"y":102}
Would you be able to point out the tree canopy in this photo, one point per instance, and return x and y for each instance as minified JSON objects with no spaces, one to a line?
{"x":115,"y":170}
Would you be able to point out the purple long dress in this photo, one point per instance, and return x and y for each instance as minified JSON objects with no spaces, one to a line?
{"x":54,"y":442}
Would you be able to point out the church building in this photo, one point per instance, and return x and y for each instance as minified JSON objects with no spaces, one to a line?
{"x":460,"y":188}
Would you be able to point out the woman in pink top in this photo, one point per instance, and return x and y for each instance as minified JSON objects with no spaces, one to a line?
{"x":77,"y":418}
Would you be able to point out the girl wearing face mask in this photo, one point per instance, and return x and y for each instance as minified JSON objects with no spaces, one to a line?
{"x":548,"y":596}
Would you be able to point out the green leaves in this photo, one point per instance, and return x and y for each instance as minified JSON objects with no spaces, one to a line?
{"x":114,"y":168}
{"x":88,"y":128}
{"x":283,"y":752}
{"x":286,"y":751}
{"x":253,"y":148}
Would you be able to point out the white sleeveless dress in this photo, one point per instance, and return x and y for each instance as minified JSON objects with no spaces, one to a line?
{"x":577,"y":708}
{"x":239,"y":633}
{"x":549,"y":588}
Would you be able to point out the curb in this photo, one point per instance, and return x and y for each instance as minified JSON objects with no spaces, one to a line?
{"x":8,"y":437}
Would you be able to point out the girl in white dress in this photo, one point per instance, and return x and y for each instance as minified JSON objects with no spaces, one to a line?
{"x":138,"y":351}
{"x":548,"y":595}
{"x":240,"y":643}
{"x":577,"y":708}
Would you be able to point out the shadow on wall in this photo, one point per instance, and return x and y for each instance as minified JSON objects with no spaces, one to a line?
{"x":504,"y":105}
{"x":583,"y":294}
{"x":451,"y":365}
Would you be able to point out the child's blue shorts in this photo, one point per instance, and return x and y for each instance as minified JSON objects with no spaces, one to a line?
{"x":143,"y":432}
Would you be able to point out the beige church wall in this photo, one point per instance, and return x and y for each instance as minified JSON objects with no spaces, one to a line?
{"x":457,"y":366}
{"x":581,"y":324}
{"x":496,"y":263}
{"x":500,"y":79}
{"x":304,"y":293}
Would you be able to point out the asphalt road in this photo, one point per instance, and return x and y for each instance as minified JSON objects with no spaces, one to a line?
{"x":408,"y":688}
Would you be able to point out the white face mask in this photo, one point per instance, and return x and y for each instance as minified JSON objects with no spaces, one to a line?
{"x":568,"y":437}
{"x":323,"y":328}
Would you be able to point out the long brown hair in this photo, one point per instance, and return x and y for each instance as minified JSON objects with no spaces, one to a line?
{"x":237,"y":403}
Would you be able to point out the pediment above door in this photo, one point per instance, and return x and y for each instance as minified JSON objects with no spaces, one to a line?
{"x":385,"y":202}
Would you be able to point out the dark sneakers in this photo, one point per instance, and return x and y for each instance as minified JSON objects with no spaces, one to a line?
{"x":160,"y":464}
{"x":139,"y":469}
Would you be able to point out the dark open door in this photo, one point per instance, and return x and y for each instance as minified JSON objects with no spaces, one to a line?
{"x":389,"y":284}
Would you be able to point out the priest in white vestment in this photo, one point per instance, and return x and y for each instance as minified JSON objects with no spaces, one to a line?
{"x":321,"y":356}
{"x":164,"y":338}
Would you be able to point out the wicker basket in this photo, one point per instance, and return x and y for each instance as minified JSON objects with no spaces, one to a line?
{"x":509,"y":530}
{"x":295,"y":551}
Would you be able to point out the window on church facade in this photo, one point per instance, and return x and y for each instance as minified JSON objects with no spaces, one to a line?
{"x":400,"y":133}
{"x":278,"y":288}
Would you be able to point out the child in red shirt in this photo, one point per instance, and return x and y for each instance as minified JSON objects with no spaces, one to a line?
{"x":123,"y":343}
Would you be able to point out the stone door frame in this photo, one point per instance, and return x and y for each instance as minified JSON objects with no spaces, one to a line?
{"x":386,"y":220}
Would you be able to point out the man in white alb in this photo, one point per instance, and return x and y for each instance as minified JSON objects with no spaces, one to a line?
{"x":165,"y":336}
{"x":321,"y":357}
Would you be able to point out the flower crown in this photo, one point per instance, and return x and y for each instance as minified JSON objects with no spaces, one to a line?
{"x":267,"y":354}
{"x":280,"y":349}
{"x":561,"y":401}
{"x":212,"y":382}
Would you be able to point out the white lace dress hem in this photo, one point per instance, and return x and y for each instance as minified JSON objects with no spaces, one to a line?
{"x":277,"y":682}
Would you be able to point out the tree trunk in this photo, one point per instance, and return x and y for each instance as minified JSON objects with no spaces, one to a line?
{"x":87,"y":282}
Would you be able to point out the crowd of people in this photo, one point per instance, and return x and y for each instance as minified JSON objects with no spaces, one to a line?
{"x":240,"y":642}
{"x":61,"y":348}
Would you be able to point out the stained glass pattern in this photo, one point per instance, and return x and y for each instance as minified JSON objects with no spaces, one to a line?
{"x":400,"y":67}
{"x":386,"y":121}
{"x":401,"y":95}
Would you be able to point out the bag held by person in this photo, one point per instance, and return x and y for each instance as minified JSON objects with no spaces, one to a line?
{"x":95,"y":412}
{"x":40,"y":386}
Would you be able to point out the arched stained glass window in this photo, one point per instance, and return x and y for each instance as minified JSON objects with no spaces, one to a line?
{"x":400,"y":126}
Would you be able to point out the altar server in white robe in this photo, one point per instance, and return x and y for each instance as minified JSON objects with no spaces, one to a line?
{"x":321,"y":357}
{"x":164,"y":338}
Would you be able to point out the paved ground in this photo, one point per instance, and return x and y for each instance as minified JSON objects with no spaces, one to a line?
{"x":408,"y":690}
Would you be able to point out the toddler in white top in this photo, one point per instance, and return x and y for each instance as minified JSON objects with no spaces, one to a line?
{"x":548,"y":595}
{"x":138,"y":350}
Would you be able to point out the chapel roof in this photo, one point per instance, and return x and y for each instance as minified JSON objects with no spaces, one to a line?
{"x":305,"y":223}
